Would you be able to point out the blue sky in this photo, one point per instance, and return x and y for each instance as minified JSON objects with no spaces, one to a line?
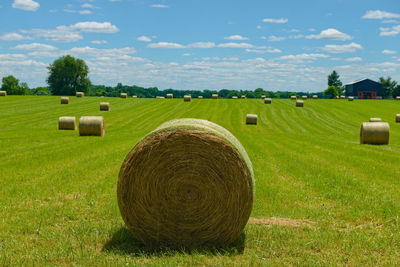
{"x":204,"y":44}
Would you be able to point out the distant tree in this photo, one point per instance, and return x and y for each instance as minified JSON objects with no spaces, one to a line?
{"x":68,"y":75}
{"x":388,"y":86}
{"x":40,"y":91}
{"x":13,"y":87}
{"x":396,"y":91}
{"x":333,"y":80}
{"x":331,"y":91}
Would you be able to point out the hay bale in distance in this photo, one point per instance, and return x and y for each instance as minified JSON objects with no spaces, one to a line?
{"x":267,"y":100}
{"x":67,"y":123}
{"x":375,"y":120}
{"x":80,"y":94}
{"x":64,"y":100}
{"x":397,"y":117}
{"x":350,"y":98}
{"x":251,"y":119}
{"x":293,"y":97}
{"x":169,"y":96}
{"x":124,"y":95}
{"x":342,"y":97}
{"x":374,"y":133}
{"x":200,"y":97}
{"x":3,"y":93}
{"x":200,"y":195}
{"x":214,"y":96}
{"x":187,"y":98}
{"x":234,"y":97}
{"x":315,"y":97}
{"x":134,"y":96}
{"x":263,"y":97}
{"x":104,"y":106}
{"x":91,"y":126}
{"x":243,"y":97}
{"x":397,"y":97}
{"x":299,"y":103}
{"x":304,"y":97}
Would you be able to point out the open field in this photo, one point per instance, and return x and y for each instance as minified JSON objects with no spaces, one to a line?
{"x":337,"y":202}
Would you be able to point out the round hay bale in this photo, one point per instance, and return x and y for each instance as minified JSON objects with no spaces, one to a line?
{"x":375,"y":120}
{"x":91,"y":126}
{"x":267,"y":101}
{"x":169,"y":96}
{"x":263,"y":97}
{"x":243,"y":97}
{"x":342,"y":97}
{"x":64,"y":100}
{"x":397,"y":117}
{"x":134,"y":96}
{"x":3,"y":93}
{"x":123,"y":95}
{"x":187,"y":98}
{"x":397,"y":97}
{"x":200,"y":97}
{"x":67,"y":123}
{"x":315,"y":97}
{"x":299,"y":103}
{"x":234,"y":97}
{"x":214,"y":96}
{"x":293,"y":97}
{"x":374,"y":133}
{"x":189,"y":183}
{"x":251,"y":119}
{"x":80,"y":94}
{"x":350,"y":98}
{"x":337,"y":97}
{"x":104,"y":106}
{"x":304,"y":97}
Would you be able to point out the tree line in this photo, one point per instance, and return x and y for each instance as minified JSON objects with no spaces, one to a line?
{"x":68,"y":75}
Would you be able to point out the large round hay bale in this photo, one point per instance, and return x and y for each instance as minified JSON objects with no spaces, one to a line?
{"x":375,"y":119}
{"x":397,"y":117}
{"x":350,"y":98}
{"x":187,"y":98}
{"x":304,"y":97}
{"x":214,"y":96}
{"x":80,"y":94}
{"x":67,"y":123}
{"x":243,"y":97}
{"x":200,"y":97}
{"x":342,"y":97}
{"x":234,"y":97}
{"x":315,"y":97}
{"x":267,"y":100}
{"x":189,"y":183}
{"x":251,"y":119}
{"x":64,"y":100}
{"x":374,"y":133}
{"x":104,"y":106}
{"x":337,"y":97}
{"x":91,"y":126}
{"x":293,"y":97}
{"x":3,"y":93}
{"x":123,"y":95}
{"x":299,"y":103}
{"x":169,"y":96}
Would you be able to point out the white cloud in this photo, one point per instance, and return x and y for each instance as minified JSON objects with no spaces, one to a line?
{"x":143,"y":39}
{"x":95,"y":52}
{"x":281,"y":20}
{"x":274,"y":38}
{"x":263,"y":51}
{"x":201,"y":45}
{"x":186,"y":54}
{"x":236,"y":38}
{"x":336,"y":49}
{"x":353,"y":59}
{"x":27,"y":5}
{"x":389,"y":52}
{"x":393,"y":31}
{"x":99,"y":42}
{"x":35,"y":47}
{"x":391,"y":21}
{"x":62,"y":34}
{"x":14,"y":37}
{"x":166,"y":45}
{"x":236,"y":45}
{"x":378,"y":14}
{"x":330,"y":34}
{"x":160,"y":6}
{"x":85,"y":12}
{"x":303,"y":57}
{"x":93,"y":26}
{"x":87,"y":5}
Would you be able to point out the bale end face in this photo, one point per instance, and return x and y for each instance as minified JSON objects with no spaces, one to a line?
{"x":104,"y":106}
{"x":3,"y":93}
{"x":299,"y":103}
{"x":80,"y":94}
{"x":374,"y":133}
{"x":67,"y":123}
{"x":251,"y":119}
{"x":91,"y":126}
{"x":267,"y":101}
{"x":200,"y":195}
{"x":64,"y":100}
{"x":187,"y":98}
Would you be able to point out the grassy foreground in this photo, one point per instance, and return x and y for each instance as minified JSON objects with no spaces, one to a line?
{"x":335,"y":202}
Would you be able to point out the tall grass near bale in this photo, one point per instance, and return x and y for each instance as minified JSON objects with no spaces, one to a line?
{"x":201,"y":194}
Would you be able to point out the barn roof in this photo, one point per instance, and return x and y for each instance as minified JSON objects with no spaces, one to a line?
{"x":357,"y":81}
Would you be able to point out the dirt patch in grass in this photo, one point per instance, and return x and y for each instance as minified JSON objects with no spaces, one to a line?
{"x":282,"y":222}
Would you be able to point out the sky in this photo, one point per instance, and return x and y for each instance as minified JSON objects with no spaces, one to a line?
{"x":204,"y":44}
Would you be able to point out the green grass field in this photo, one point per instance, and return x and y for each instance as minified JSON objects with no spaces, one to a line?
{"x":337,"y":202}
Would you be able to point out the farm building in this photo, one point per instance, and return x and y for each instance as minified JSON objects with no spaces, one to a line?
{"x":364,"y":89}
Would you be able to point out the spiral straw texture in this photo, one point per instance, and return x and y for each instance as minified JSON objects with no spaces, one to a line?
{"x":189,"y":183}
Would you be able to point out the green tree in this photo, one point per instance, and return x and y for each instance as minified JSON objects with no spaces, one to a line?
{"x":68,"y":75}
{"x":388,"y":86}
{"x":333,"y":80}
{"x":396,"y":91}
{"x":331,"y":91}
{"x":13,"y":87}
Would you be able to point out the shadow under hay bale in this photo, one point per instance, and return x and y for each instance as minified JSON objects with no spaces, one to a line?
{"x":374,"y":133}
{"x":251,"y":119}
{"x":64,"y":100}
{"x":299,"y":103}
{"x":3,"y":93}
{"x":267,"y":101}
{"x":200,"y":195}
{"x":91,"y":126}
{"x":123,"y":242}
{"x":104,"y":106}
{"x":67,"y":123}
